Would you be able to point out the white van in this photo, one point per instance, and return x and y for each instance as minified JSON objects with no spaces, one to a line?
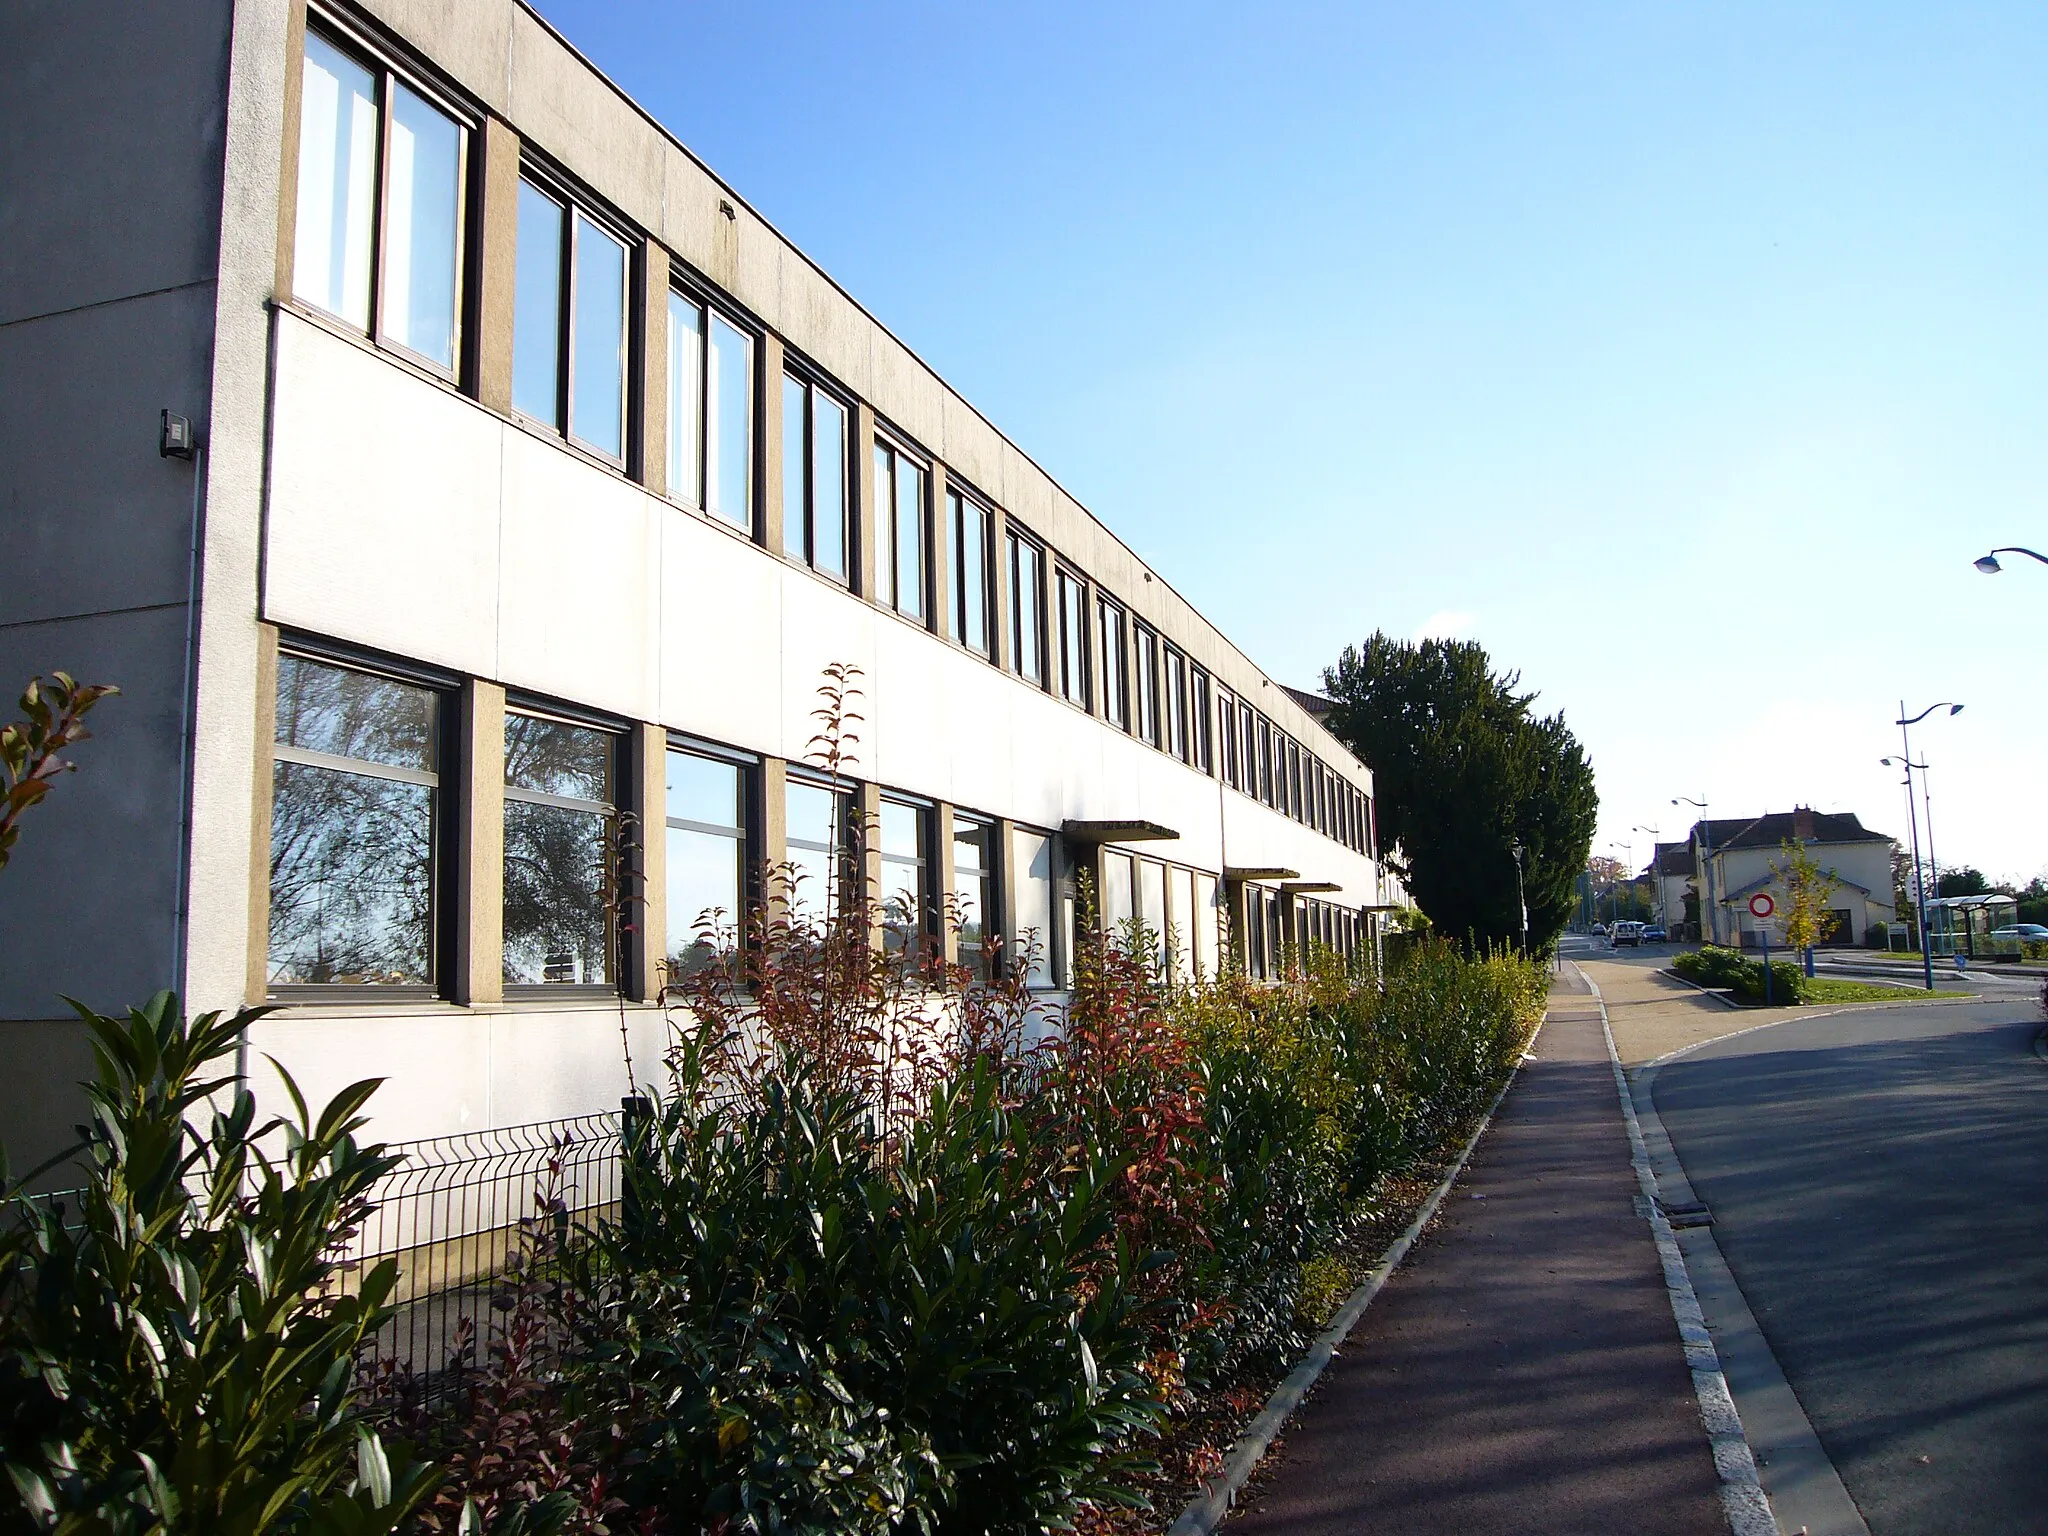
{"x":1630,"y":933}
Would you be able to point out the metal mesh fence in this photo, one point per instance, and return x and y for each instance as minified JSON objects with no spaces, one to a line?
{"x":450,"y":1217}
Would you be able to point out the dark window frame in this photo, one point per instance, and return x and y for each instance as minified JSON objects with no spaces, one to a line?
{"x":712,"y":306}
{"x":573,"y":201}
{"x":751,"y":812}
{"x":443,"y":914}
{"x":889,"y":584}
{"x":962,"y":506}
{"x":353,"y":43}
{"x":812,"y":388}
{"x":627,"y":796}
{"x":1018,"y":547}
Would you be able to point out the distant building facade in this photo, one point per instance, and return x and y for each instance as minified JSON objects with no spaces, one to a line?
{"x":1734,"y":859}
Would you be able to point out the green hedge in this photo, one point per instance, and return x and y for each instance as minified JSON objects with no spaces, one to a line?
{"x":1727,"y":970}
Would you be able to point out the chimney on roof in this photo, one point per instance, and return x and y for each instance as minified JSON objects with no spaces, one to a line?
{"x":1802,"y":823}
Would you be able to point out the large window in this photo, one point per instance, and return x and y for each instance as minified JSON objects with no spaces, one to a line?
{"x":1152,"y":913}
{"x":560,"y":808}
{"x":710,"y":412}
{"x":901,"y":537}
{"x":1201,"y":752}
{"x":1119,"y":892}
{"x":974,"y":874}
{"x":1266,"y":776}
{"x":908,"y":910}
{"x":354,"y":785}
{"x":1145,"y":675}
{"x":1031,"y":925}
{"x":1116,"y":703}
{"x":1073,"y":639}
{"x":818,"y":821}
{"x":971,"y":529}
{"x":569,"y":322}
{"x":1026,"y":562}
{"x":1207,"y":926}
{"x":707,"y":858}
{"x":379,"y":235}
{"x":813,"y":477}
{"x":1227,"y":723}
{"x":1174,"y":703}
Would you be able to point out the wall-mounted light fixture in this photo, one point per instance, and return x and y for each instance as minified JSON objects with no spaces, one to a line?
{"x":177,"y":440}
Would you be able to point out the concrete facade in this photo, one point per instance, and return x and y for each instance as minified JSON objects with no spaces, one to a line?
{"x":353,"y":504}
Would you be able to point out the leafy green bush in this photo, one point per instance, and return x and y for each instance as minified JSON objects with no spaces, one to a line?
{"x":177,"y":1353}
{"x":1788,"y":983}
{"x":800,"y":1334}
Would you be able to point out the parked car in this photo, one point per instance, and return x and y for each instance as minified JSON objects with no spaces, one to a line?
{"x":1654,"y":935}
{"x":1601,"y":929}
{"x":2026,"y":933}
{"x":1628,"y":933}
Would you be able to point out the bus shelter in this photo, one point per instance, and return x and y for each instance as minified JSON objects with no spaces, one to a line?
{"x":1963,"y":925}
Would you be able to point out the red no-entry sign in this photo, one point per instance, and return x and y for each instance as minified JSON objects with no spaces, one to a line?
{"x":1761,"y":905}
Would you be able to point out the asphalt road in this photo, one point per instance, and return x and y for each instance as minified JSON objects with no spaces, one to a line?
{"x":1879,"y":1182}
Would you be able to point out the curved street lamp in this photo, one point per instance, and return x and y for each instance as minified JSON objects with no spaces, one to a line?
{"x":1989,"y":565}
{"x":1912,"y":817}
{"x":1710,"y":933}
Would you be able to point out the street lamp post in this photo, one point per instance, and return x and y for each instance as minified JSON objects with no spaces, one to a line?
{"x":1707,"y":910}
{"x":1521,"y":900}
{"x":1989,"y":565}
{"x":1657,"y":880}
{"x":1919,"y":881}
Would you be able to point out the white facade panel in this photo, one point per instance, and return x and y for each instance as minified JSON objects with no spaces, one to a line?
{"x":383,"y":506}
{"x":580,"y":600}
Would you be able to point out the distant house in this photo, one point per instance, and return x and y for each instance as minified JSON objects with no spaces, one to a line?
{"x":1734,"y":859}
{"x":1673,"y":870}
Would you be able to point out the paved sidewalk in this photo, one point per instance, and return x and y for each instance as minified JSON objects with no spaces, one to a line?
{"x":1522,"y":1372}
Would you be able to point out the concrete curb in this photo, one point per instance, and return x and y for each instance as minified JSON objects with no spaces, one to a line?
{"x":1207,"y":1510}
{"x":1742,"y":1492}
{"x":1725,"y":1002}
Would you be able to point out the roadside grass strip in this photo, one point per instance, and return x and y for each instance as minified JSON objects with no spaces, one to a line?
{"x":1742,"y":1493}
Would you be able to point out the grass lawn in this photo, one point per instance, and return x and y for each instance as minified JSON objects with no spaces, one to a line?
{"x":1829,"y":989}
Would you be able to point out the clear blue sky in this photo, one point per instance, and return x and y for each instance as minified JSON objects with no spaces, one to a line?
{"x":1685,"y":356}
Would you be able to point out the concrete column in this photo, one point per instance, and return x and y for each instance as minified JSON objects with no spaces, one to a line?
{"x":288,"y":154}
{"x":477,"y":802}
{"x":488,"y":351}
{"x":867,"y":805}
{"x":646,"y":968}
{"x":773,"y":821}
{"x":942,"y":879}
{"x":862,"y":556}
{"x":262,"y":784}
{"x":650,"y":465}
{"x":941,"y":543}
{"x":768,"y":464}
{"x":1004,"y":919}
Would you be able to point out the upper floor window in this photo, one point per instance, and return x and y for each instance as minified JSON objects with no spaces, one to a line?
{"x":1145,"y":678}
{"x":1026,"y":563}
{"x":561,"y":803}
{"x":711,"y":412}
{"x":1116,"y":704}
{"x":972,"y":529}
{"x":1173,"y":704}
{"x":354,"y":819}
{"x":901,"y":537}
{"x":1073,"y":637}
{"x":569,"y":322}
{"x":706,"y":805}
{"x":1200,"y":750}
{"x":813,"y":477}
{"x":379,"y":235}
{"x":1227,"y":736}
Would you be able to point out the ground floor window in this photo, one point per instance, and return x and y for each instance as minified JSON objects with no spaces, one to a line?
{"x":706,"y":800}
{"x":561,"y":804}
{"x":818,"y":820}
{"x":354,"y":819}
{"x":974,"y":870}
{"x":1031,"y":924}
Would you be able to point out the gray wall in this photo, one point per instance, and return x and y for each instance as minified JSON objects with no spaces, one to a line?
{"x":112,"y":123}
